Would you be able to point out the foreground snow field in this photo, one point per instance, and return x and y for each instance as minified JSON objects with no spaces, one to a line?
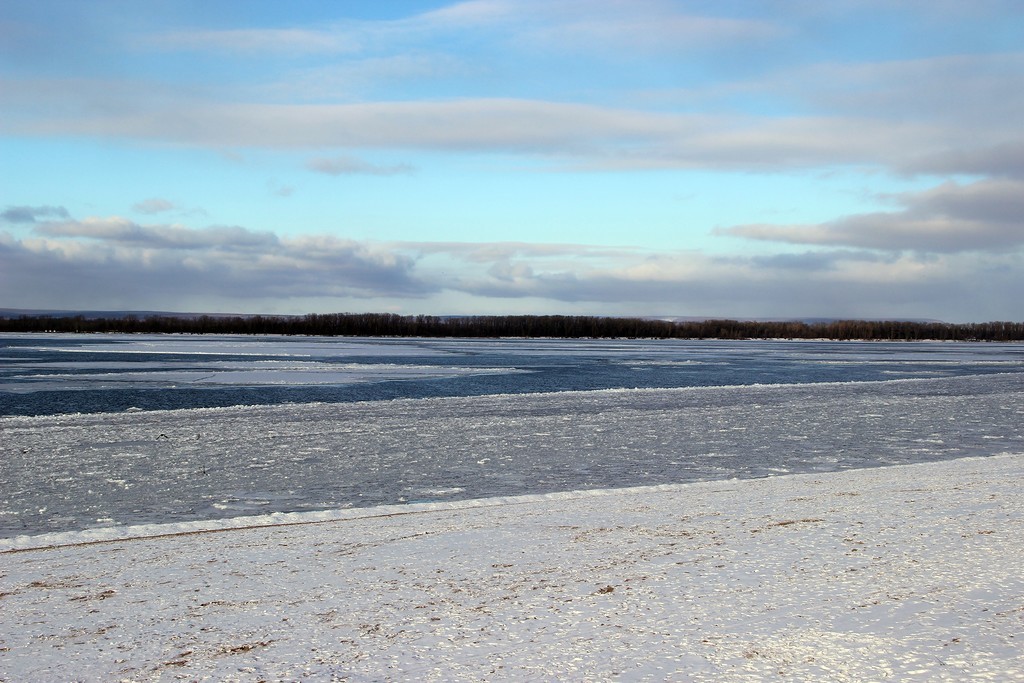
{"x":903,"y":573}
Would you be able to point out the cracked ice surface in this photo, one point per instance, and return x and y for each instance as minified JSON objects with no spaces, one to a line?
{"x":77,"y":472}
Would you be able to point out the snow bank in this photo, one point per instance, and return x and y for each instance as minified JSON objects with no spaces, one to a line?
{"x":907,"y":572}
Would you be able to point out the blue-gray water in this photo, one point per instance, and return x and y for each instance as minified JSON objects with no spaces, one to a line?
{"x":53,"y":374}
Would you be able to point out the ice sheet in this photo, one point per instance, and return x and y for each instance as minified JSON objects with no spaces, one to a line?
{"x":234,"y":345}
{"x":85,"y":471}
{"x":255,"y":373}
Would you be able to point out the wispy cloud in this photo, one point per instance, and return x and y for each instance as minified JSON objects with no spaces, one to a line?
{"x":123,"y":231}
{"x":32,"y":214}
{"x":347,"y":165}
{"x":589,"y":25}
{"x":642,"y":26}
{"x":350,"y":79}
{"x":570,"y":135}
{"x":472,"y":124}
{"x":154,"y":205}
{"x":279,"y":189}
{"x":259,"y":41}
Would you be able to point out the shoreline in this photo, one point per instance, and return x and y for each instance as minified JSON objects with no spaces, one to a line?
{"x":907,"y":571}
{"x":129,"y":532}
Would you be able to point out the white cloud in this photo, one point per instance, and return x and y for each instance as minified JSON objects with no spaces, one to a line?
{"x":96,"y":256}
{"x":965,"y":90}
{"x":981,"y":216}
{"x":937,"y":115}
{"x":573,"y":135}
{"x":948,"y":113}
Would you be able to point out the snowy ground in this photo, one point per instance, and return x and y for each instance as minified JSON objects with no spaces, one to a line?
{"x":902,"y":573}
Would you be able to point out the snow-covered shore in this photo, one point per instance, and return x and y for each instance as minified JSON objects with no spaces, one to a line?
{"x":908,"y":572}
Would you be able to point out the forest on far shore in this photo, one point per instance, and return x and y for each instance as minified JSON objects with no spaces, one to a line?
{"x":559,"y":326}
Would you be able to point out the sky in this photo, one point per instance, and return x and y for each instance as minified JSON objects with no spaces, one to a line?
{"x":744,"y":159}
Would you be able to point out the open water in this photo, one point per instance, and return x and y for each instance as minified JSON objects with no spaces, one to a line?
{"x":54,"y":374}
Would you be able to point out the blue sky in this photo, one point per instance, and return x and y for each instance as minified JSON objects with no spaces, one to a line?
{"x":779,"y":158}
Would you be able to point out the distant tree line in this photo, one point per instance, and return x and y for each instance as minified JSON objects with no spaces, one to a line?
{"x":573,"y":327}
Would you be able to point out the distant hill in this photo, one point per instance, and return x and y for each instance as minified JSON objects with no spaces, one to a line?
{"x":522,"y":326}
{"x":9,"y":313}
{"x":806,"y":321}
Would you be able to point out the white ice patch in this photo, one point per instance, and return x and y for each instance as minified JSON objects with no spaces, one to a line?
{"x":257,"y":373}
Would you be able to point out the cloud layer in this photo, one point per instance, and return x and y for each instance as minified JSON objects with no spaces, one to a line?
{"x":896,"y":127}
{"x":982,"y":216}
{"x":176,"y":267}
{"x":167,"y":261}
